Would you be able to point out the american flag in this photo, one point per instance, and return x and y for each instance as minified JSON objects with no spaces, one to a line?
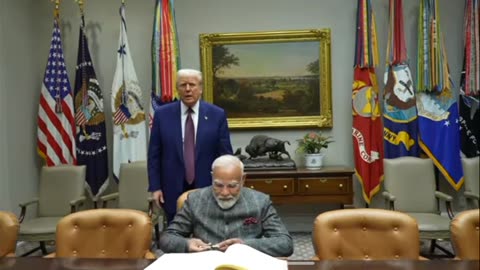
{"x":122,"y":115}
{"x":56,"y":126}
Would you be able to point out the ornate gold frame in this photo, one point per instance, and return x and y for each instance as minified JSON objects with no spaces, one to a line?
{"x":324,"y":119}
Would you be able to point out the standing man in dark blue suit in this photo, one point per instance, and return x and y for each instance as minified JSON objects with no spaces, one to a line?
{"x":186,"y":137}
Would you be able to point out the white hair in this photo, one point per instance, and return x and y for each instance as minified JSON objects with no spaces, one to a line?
{"x":188,"y":72}
{"x":227,"y":161}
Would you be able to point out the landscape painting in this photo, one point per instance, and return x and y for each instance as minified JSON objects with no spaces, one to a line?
{"x":269,"y":79}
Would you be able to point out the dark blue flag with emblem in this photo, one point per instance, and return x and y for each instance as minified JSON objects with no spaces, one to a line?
{"x":400,"y":127}
{"x":438,"y":116}
{"x":469,"y":98}
{"x":469,"y":124}
{"x":90,"y":120}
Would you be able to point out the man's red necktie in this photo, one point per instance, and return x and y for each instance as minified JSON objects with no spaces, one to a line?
{"x":189,"y":148}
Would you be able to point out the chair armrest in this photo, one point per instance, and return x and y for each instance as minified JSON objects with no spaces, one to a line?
{"x":75,"y":204}
{"x":471,"y":195}
{"x":150,"y":206}
{"x":23,"y":209}
{"x":443,"y":196}
{"x":50,"y":256}
{"x":25,"y":204}
{"x":150,"y":255}
{"x":389,"y":200}
{"x":388,"y":196}
{"x":109,"y":197}
{"x":448,"y":202}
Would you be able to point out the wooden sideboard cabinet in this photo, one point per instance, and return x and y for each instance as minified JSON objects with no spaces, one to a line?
{"x":326,"y":185}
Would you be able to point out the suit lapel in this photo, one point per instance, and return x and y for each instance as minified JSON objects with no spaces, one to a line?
{"x":177,"y":129}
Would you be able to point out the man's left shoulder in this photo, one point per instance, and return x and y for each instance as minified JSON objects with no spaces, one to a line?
{"x":251,"y":194}
{"x":211,"y":107}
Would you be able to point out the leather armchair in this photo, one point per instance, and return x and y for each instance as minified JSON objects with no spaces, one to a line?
{"x":471,"y":167}
{"x":410,"y":187}
{"x":105,"y":233}
{"x":365,"y":234}
{"x":465,"y":235}
{"x":61,"y":191}
{"x":133,"y":193}
{"x":8,"y":234}
{"x":182,"y":199}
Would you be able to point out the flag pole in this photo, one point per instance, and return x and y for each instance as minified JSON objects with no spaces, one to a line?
{"x":58,"y":99}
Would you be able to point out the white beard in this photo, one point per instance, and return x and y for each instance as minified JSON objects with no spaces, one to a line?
{"x":227,"y":204}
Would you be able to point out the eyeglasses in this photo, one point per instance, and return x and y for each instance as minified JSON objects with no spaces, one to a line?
{"x":219,"y":185}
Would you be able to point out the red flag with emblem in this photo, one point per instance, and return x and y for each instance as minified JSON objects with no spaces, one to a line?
{"x":367,"y":130}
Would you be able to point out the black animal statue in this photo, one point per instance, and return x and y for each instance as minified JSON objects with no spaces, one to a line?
{"x":261,"y":145}
{"x":238,"y":154}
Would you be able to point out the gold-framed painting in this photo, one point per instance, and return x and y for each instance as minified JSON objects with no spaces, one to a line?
{"x":275,"y":79}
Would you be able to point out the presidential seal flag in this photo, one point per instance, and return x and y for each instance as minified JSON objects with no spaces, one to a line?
{"x":165,"y":56}
{"x":129,"y":130}
{"x":470,"y":83}
{"x":90,"y":120}
{"x":367,"y":125}
{"x":56,"y":126}
{"x":438,"y":116}
{"x":400,"y":130}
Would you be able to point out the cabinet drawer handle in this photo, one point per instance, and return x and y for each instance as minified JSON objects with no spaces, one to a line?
{"x":252,"y":187}
{"x":307,"y":186}
{"x":323,"y":180}
{"x":340,"y":186}
{"x":268,"y":181}
{"x":285,"y":187}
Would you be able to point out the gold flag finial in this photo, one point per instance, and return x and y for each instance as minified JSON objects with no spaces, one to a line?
{"x":56,"y":11}
{"x":80,"y":5}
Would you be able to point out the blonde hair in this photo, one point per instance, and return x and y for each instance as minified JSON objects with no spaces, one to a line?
{"x":188,"y":72}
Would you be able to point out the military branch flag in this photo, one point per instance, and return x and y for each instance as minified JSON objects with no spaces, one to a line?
{"x":165,"y":56}
{"x":56,"y":126}
{"x":89,"y":109}
{"x":367,"y":125}
{"x":129,"y":130}
{"x":399,"y":110}
{"x":438,"y":116}
{"x":470,"y":83}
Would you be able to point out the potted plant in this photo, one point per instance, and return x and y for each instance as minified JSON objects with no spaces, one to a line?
{"x":311,"y":145}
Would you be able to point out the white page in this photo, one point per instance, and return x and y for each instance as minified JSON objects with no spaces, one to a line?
{"x":238,"y":254}
{"x":206,"y":260}
{"x":252,"y":259}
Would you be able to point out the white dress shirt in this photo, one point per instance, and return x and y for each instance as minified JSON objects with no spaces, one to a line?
{"x":184,"y":114}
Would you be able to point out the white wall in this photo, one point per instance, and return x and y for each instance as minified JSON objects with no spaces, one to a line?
{"x":28,"y":40}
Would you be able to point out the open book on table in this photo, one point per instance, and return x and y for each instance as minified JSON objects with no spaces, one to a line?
{"x":236,"y":257}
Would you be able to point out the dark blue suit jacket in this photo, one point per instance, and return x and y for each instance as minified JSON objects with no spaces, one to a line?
{"x":166,"y":169}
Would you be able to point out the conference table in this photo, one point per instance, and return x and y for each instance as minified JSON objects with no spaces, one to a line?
{"x":38,"y":263}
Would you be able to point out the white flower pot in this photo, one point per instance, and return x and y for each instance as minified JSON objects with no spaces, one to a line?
{"x":314,"y":161}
